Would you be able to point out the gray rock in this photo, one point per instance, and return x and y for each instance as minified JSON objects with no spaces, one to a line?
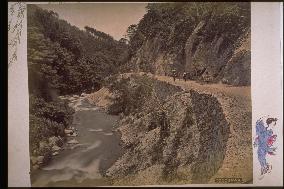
{"x":72,"y":135}
{"x":72,"y":98}
{"x":56,"y":148}
{"x":68,"y":131}
{"x":55,"y":153}
{"x":73,"y":141}
{"x":40,"y":159}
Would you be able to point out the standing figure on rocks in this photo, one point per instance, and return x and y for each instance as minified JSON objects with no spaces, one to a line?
{"x":264,"y":141}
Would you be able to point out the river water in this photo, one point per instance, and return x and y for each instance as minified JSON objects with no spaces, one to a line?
{"x":83,"y":164}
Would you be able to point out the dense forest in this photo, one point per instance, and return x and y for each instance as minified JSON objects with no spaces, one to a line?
{"x":63,"y":59}
{"x":71,"y":60}
{"x":174,"y":23}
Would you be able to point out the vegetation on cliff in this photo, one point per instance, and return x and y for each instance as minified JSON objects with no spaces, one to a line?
{"x":133,"y":93}
{"x":196,"y":37}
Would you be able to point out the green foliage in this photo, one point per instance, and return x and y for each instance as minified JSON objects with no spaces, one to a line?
{"x":173,"y":23}
{"x":63,"y":60}
{"x":47,"y":119}
{"x":131,"y":31}
{"x":130,"y":94}
{"x":63,"y":57}
{"x":57,"y":111}
{"x":40,"y":130}
{"x":98,"y":34}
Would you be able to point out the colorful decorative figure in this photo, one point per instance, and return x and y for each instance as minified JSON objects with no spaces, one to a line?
{"x":264,"y":141}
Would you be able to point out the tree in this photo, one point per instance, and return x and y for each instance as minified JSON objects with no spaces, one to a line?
{"x":131,"y":30}
{"x":123,"y":41}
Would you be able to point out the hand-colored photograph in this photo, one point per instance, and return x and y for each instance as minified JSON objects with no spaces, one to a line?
{"x":132,"y":94}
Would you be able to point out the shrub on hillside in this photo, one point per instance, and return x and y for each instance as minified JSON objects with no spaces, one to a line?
{"x":47,"y":119}
{"x":56,"y":111}
{"x":130,"y":94}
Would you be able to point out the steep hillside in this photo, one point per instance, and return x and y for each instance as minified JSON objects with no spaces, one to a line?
{"x":179,"y":132}
{"x":67,"y":59}
{"x":203,"y":39}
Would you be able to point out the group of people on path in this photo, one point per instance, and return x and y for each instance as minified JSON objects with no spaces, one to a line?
{"x":174,"y":74}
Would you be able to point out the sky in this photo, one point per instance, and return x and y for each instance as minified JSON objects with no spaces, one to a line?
{"x":111,"y":18}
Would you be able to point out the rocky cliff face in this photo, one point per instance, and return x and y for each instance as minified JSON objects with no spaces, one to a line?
{"x":176,"y":136}
{"x":150,"y":58}
{"x":238,"y":68}
{"x":210,"y":61}
{"x":210,"y":48}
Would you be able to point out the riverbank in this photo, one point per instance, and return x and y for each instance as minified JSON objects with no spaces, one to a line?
{"x":87,"y":154}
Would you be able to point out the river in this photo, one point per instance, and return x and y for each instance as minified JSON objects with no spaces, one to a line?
{"x":83,"y":164}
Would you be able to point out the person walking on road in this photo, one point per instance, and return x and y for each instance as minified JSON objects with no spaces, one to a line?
{"x":184,"y":76}
{"x":174,"y":73}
